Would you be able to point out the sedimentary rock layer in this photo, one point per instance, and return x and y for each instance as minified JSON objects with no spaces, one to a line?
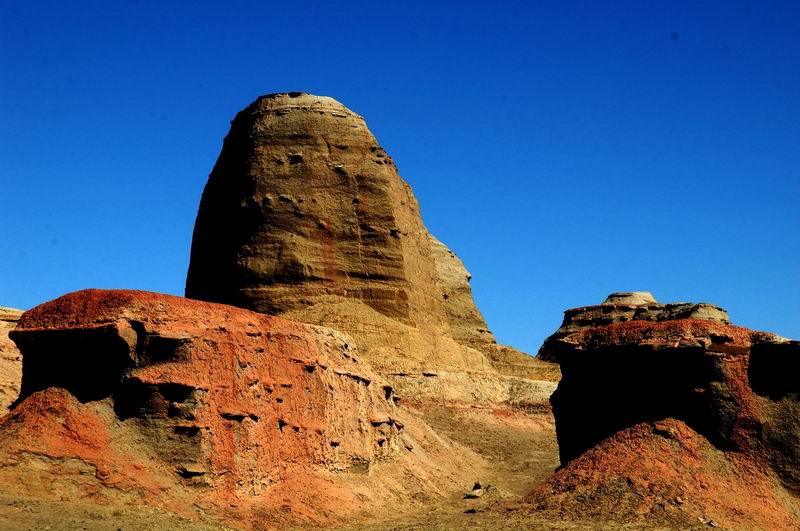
{"x":622,"y":307}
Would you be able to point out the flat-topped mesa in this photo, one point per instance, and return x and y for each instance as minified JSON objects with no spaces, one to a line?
{"x":305,"y":216}
{"x":622,"y":307}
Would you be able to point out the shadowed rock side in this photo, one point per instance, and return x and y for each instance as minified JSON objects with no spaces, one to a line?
{"x":209,"y":411}
{"x":684,"y":401}
{"x":10,"y":360}
{"x":304,"y":215}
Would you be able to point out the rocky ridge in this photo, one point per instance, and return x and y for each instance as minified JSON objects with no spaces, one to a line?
{"x":305,"y":216}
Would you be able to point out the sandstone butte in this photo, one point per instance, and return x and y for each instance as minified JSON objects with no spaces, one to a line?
{"x":668,"y":412}
{"x":305,"y":216}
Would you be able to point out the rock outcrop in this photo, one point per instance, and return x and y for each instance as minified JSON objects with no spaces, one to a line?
{"x":134,"y":397}
{"x":622,"y":307}
{"x":305,"y":216}
{"x":641,"y":379}
{"x":10,"y":360}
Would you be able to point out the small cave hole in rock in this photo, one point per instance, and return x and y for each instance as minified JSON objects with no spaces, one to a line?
{"x":236,"y":417}
{"x":773,"y":370}
{"x":282,"y":424}
{"x":189,"y":431}
{"x":90,"y":364}
{"x":134,"y":398}
{"x":295,"y":159}
{"x":188,"y":474}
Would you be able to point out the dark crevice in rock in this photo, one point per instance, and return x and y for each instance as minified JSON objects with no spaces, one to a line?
{"x":774,"y":369}
{"x":606,"y":391}
{"x":89,"y":363}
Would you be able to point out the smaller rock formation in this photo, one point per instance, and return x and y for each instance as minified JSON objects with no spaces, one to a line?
{"x":132,"y":397}
{"x":10,"y":360}
{"x":622,"y":307}
{"x":635,"y":372}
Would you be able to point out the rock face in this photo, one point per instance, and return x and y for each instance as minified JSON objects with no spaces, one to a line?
{"x":10,"y":360}
{"x":186,"y":404}
{"x":304,"y":215}
{"x":645,"y":367}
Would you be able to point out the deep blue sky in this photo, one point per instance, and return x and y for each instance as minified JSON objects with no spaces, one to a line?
{"x":563,"y":149}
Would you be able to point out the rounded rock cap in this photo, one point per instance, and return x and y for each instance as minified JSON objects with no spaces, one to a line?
{"x":631,"y":297}
{"x":284,"y":102}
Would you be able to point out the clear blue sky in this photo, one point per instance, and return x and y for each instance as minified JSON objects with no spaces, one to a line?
{"x":563,"y":149}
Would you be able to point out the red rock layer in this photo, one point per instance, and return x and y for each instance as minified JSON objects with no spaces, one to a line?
{"x":137,"y":396}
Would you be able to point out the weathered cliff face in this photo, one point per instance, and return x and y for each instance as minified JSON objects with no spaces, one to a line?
{"x":134,"y":397}
{"x":465,"y":321}
{"x":633,"y":374}
{"x":10,"y":360}
{"x":304,"y":215}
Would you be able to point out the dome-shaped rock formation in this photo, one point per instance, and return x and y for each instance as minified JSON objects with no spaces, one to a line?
{"x":304,"y":215}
